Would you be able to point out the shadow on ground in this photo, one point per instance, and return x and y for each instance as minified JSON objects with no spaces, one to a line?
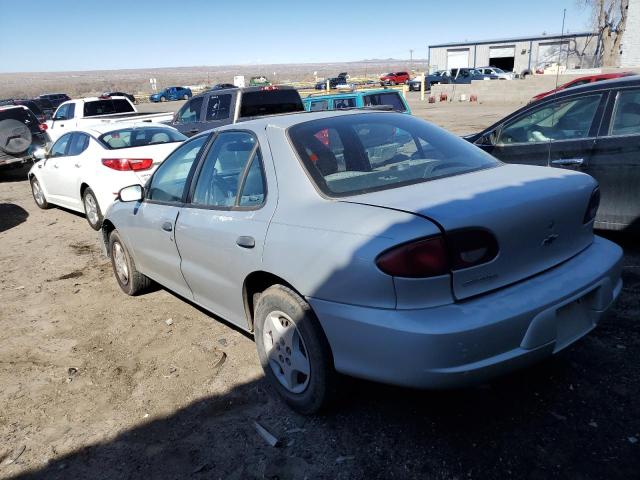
{"x":11,"y":215}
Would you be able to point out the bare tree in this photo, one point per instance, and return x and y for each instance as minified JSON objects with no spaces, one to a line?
{"x":609,"y":20}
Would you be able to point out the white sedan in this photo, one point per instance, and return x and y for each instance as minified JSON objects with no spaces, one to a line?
{"x":84,"y":169}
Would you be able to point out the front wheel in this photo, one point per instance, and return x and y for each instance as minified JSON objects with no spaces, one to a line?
{"x":392,"y":82}
{"x":92,"y":209}
{"x":38,"y":194}
{"x":130,"y":280}
{"x":162,"y":99}
{"x":293,"y":350}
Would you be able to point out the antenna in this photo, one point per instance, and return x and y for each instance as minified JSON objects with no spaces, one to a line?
{"x":553,"y":114}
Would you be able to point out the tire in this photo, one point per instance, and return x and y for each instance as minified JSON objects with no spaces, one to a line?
{"x":15,"y":137}
{"x":38,"y":194}
{"x":392,"y":83}
{"x":92,"y":209}
{"x":130,"y":280}
{"x":185,"y":97}
{"x":287,"y":334}
{"x":162,"y":99}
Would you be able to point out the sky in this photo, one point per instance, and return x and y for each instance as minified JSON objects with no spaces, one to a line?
{"x":64,"y":35}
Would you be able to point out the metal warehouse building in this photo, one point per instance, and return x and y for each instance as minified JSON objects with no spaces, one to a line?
{"x":521,"y":55}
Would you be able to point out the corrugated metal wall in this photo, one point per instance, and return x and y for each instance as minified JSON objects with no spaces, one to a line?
{"x":526,"y":53}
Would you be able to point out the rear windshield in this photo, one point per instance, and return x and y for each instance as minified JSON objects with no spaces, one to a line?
{"x":387,"y":98}
{"x":140,"y":137}
{"x":270,"y":102}
{"x":31,"y":105}
{"x":107,"y":107}
{"x":351,"y":154}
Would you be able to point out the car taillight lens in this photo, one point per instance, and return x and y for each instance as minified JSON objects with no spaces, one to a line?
{"x":592,"y":208}
{"x":269,"y":88}
{"x":422,"y":258}
{"x":433,"y":256}
{"x":43,"y":127}
{"x":127,"y":164}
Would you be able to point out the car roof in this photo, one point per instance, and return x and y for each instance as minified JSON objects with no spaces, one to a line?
{"x":621,"y":82}
{"x":243,"y":89}
{"x":323,"y":96}
{"x":102,"y":128}
{"x":4,"y":108}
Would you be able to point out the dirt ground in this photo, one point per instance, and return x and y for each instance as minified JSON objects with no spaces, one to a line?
{"x":98,"y":385}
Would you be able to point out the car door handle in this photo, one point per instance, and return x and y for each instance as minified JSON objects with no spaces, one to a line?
{"x":246,"y":242}
{"x":77,"y":165}
{"x":55,"y":165}
{"x":568,"y":161}
{"x":167,"y":226}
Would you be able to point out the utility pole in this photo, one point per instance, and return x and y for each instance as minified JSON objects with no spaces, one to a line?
{"x":410,"y":59}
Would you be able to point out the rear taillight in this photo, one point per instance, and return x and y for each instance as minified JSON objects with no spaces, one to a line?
{"x":127,"y":164}
{"x":422,"y":258}
{"x":592,"y":208}
{"x":43,"y":127}
{"x":269,"y":88}
{"x":435,"y":256}
{"x":471,"y":247}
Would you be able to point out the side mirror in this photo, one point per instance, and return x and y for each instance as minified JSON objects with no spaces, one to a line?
{"x":39,"y":153}
{"x":132,"y":193}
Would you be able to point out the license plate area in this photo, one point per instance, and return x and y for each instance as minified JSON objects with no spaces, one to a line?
{"x":575,"y":319}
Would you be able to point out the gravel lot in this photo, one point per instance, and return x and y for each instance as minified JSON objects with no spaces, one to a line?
{"x":95,"y":384}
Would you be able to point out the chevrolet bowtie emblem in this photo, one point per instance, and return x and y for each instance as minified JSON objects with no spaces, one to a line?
{"x":549,"y":240}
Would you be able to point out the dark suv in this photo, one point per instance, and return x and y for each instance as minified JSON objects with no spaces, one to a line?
{"x":215,"y":108}
{"x":55,"y":98}
{"x":20,"y":134}
{"x":30,"y":104}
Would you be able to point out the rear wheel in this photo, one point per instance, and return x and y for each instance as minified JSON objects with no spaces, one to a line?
{"x":185,"y":97}
{"x":294,"y":353}
{"x":130,"y":280}
{"x":92,"y":209}
{"x":162,"y":99}
{"x":392,"y":82}
{"x":38,"y":194}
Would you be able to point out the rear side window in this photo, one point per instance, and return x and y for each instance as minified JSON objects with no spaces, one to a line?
{"x":107,"y":107}
{"x":140,"y":137}
{"x":218,"y":107}
{"x":352,"y":154}
{"x":319,"y":105}
{"x":270,"y":102}
{"x":388,"y":98}
{"x":626,"y":117}
{"x":339,"y":103}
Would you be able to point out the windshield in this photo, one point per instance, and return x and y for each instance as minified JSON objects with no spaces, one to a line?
{"x":352,"y":154}
{"x":140,"y":137}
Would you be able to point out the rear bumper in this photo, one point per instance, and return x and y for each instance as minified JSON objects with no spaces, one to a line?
{"x":470,"y":341}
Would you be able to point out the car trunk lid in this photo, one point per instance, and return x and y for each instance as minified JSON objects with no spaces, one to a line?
{"x":535,"y":213}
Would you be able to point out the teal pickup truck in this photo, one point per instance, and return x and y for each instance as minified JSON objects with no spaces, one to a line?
{"x":357,"y":99}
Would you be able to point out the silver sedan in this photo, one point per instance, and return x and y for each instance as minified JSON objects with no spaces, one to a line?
{"x":373,"y":244}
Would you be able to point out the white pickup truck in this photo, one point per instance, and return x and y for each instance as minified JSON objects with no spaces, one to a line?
{"x":84,"y":112}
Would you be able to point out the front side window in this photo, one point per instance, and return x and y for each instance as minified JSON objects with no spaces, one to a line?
{"x":62,"y":112}
{"x":79,"y":143}
{"x":626,"y":117}
{"x":191,"y":111}
{"x":348,"y":155}
{"x":140,"y":137}
{"x":562,"y":120}
{"x":218,"y":107}
{"x":319,"y":105}
{"x":59,"y":149}
{"x":167,"y":184}
{"x":388,"y":98}
{"x":223,"y":172}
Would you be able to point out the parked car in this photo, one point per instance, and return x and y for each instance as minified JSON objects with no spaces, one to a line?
{"x":432,"y":79}
{"x":498,"y":72}
{"x":261,"y":81}
{"x":30,"y":104}
{"x":215,"y":108}
{"x":373,"y":244}
{"x":394,"y":78}
{"x":223,"y":86}
{"x":358,"y":99}
{"x":171,"y":93}
{"x":594,"y":128}
{"x":334,"y":82}
{"x":131,"y":97}
{"x":56,"y":99}
{"x":84,"y":112}
{"x":466,"y":76}
{"x":84,"y":169}
{"x":21,"y":134}
{"x":583,"y":81}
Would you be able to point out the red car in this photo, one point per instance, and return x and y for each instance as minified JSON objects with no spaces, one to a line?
{"x":582,"y":81}
{"x":397,"y":78}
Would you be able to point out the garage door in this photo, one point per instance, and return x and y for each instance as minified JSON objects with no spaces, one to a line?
{"x":502,"y":52}
{"x":552,"y":52}
{"x":457,"y":58}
